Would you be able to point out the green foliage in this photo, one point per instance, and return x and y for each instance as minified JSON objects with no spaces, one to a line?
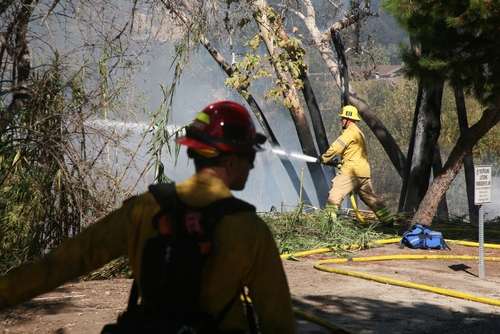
{"x":161,"y":135}
{"x":458,"y":43}
{"x":296,"y":231}
{"x":40,"y":204}
{"x":386,"y":54}
{"x":52,"y":182}
{"x":245,"y":72}
{"x":285,"y":57}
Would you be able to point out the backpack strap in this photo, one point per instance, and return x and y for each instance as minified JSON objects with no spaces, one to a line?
{"x":132,"y":306}
{"x":163,"y":192}
{"x":250,"y":315}
{"x":166,"y":195}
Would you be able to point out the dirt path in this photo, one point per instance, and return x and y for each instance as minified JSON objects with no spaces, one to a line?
{"x":365,"y":306}
{"x":360,"y":305}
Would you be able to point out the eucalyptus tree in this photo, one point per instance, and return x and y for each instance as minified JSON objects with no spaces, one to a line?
{"x":429,"y":104}
{"x":188,"y":17}
{"x":320,"y":39}
{"x":285,"y":56}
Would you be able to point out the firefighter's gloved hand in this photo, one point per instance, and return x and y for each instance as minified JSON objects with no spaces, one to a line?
{"x":333,"y":163}
{"x":319,"y":160}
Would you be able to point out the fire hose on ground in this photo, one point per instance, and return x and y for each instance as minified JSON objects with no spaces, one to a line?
{"x":319,"y":264}
{"x":451,"y":293}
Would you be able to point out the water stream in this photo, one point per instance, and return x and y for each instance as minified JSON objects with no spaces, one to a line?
{"x":296,"y":155}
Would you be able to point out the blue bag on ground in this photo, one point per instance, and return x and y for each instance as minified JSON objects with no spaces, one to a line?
{"x":421,"y":236}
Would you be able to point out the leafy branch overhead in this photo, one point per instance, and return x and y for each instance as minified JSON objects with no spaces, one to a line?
{"x":255,"y":65}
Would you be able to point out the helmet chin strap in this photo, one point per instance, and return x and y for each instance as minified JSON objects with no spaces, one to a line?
{"x":344,"y":123}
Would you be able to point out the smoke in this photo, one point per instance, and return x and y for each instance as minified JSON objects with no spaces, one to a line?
{"x":268,"y":184}
{"x":492,"y":210}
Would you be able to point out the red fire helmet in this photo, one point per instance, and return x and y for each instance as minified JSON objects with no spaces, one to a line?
{"x":223,"y":126}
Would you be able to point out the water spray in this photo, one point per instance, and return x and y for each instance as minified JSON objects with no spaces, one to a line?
{"x":302,"y":157}
{"x":333,"y":163}
{"x":296,"y":155}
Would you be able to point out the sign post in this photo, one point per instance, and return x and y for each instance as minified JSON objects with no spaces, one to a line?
{"x":482,"y":194}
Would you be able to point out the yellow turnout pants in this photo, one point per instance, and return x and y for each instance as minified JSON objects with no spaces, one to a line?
{"x":342,"y":185}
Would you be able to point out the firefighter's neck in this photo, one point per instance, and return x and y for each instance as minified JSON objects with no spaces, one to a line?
{"x":346,"y":122}
{"x":231,"y":170}
{"x":224,"y":170}
{"x":218,"y":172}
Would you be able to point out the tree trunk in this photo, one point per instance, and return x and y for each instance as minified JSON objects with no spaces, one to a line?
{"x":294,"y":106}
{"x":289,"y":168}
{"x":409,"y":155}
{"x":437,"y":167}
{"x":343,"y":67}
{"x":22,"y":68}
{"x":314,"y":113}
{"x":462,"y":149}
{"x":427,"y":131}
{"x":310,"y":99}
{"x":317,"y":122}
{"x":468,"y":162}
{"x":313,"y":107}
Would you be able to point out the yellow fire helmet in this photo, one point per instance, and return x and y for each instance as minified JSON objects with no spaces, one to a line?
{"x":350,"y":112}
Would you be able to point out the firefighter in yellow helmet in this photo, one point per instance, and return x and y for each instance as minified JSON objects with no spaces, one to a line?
{"x":355,"y":172}
{"x":223,"y":142}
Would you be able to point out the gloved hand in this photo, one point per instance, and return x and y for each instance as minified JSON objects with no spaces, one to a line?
{"x":333,"y":163}
{"x":319,"y":160}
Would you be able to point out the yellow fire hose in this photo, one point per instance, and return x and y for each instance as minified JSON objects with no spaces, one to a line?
{"x":355,"y":207}
{"x":322,"y":322}
{"x":319,"y":265}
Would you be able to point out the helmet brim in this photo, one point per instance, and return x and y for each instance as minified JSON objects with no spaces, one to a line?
{"x":196,"y":144}
{"x":193,"y":143}
{"x":357,"y":119}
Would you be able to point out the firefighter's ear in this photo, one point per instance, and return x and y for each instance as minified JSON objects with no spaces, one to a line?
{"x":231,"y":162}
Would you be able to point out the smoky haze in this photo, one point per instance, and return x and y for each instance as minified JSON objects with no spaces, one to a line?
{"x":269,"y":184}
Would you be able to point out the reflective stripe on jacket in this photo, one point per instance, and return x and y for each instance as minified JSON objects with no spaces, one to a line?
{"x":352,"y":146}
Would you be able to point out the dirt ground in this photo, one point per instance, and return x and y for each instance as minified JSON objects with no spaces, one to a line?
{"x":362,"y":306}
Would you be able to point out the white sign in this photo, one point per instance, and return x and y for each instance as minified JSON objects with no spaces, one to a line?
{"x":482,"y":185}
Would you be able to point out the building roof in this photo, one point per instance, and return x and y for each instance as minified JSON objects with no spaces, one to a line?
{"x":388,"y":71}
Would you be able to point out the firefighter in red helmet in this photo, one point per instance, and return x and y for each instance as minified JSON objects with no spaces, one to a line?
{"x":223,"y":142}
{"x":223,"y":127}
